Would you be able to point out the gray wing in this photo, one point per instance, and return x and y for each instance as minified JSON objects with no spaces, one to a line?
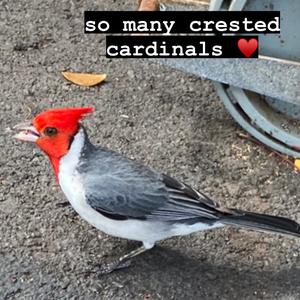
{"x":121,"y":189}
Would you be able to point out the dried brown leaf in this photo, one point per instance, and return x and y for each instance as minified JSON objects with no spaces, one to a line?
{"x":84,"y":79}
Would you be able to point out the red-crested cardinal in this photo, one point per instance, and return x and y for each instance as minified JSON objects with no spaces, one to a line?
{"x":124,"y":198}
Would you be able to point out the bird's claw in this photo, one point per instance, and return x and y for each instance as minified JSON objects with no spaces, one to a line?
{"x":108,"y":268}
{"x":62,"y":204}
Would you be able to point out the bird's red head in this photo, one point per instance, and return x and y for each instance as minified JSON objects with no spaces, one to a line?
{"x":57,"y":128}
{"x":53,"y":130}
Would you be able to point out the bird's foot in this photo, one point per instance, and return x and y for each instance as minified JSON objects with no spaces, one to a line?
{"x":108,"y":268}
{"x":121,"y":263}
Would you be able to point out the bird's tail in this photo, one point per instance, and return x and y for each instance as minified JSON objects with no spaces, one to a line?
{"x":262,"y":222}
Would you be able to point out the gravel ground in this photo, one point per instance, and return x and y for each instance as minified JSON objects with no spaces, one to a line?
{"x":175,"y":124}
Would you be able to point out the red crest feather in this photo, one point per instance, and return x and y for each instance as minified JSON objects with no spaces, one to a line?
{"x":63,"y":118}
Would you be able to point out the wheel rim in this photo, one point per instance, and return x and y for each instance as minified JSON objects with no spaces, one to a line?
{"x":255,"y":114}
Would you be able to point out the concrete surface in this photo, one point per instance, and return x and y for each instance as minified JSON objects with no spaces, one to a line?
{"x":176,"y":124}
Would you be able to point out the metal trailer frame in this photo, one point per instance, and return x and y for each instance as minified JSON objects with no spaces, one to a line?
{"x":255,"y":90}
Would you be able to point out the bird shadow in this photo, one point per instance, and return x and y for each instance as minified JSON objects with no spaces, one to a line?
{"x":172,"y":273}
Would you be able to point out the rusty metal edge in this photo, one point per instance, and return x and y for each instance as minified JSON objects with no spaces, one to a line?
{"x":148,"y":5}
{"x":186,"y":2}
{"x":154,"y":5}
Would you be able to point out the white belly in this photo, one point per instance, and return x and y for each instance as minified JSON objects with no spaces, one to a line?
{"x":129,"y":229}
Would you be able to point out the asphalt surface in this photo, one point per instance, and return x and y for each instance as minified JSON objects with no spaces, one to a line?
{"x":167,"y":119}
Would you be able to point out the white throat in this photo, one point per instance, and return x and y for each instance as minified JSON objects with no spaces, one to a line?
{"x":68,"y":176}
{"x":69,"y":162}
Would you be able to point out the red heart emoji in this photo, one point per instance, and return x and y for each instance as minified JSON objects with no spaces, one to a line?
{"x":247,"y":47}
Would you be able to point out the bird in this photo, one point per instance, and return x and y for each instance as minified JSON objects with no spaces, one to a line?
{"x":125,"y":198}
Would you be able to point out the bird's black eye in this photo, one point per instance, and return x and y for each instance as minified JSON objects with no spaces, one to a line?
{"x":50,"y":131}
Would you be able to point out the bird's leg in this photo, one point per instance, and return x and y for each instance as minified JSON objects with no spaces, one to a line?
{"x":122,"y":262}
{"x":132,"y":254}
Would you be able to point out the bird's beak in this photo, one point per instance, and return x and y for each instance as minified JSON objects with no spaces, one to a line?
{"x":27,"y":132}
